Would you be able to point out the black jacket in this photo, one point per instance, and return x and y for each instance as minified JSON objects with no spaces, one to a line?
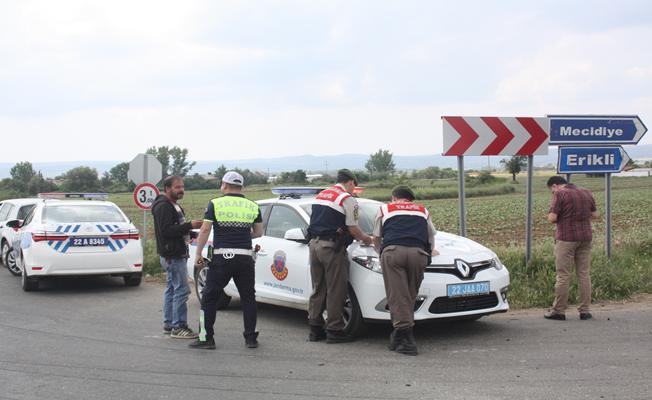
{"x":170,"y":242}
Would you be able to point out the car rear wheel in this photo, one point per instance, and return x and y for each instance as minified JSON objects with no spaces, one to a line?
{"x":28,"y":284}
{"x":201,"y":272}
{"x":133,"y":279}
{"x":9,"y":259}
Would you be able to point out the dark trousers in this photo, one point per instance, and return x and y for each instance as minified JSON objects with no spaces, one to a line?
{"x":403,"y":269}
{"x":329,"y":270}
{"x":220,"y":270}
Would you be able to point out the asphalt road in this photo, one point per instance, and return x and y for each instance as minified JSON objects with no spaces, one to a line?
{"x":93,"y":338}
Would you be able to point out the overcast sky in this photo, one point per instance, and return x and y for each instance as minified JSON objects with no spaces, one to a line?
{"x":105,"y":80}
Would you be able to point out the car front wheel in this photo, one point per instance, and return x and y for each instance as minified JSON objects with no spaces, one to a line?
{"x":9,"y":259}
{"x":201,"y":272}
{"x":354,"y":324}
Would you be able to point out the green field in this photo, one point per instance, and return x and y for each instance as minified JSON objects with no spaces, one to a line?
{"x":499,"y":223}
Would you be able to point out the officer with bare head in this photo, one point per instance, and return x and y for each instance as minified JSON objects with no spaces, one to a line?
{"x":333,"y":226}
{"x":405,"y":238}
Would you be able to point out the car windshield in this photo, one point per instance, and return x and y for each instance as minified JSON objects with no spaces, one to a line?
{"x":366,"y":214}
{"x":85,"y":213}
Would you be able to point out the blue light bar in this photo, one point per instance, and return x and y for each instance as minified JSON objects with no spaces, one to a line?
{"x":296,"y":191}
{"x":83,"y":196}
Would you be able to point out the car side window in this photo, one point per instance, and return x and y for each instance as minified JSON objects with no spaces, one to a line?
{"x":29,"y":216}
{"x":5,"y":210}
{"x":282,"y":219}
{"x":24,"y":211}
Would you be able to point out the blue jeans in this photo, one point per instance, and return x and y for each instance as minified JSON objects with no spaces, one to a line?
{"x":175,"y":311}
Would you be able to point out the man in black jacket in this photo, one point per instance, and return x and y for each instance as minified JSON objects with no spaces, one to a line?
{"x":172,"y":238}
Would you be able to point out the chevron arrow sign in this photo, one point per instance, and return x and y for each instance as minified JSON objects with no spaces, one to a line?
{"x":495,"y":136}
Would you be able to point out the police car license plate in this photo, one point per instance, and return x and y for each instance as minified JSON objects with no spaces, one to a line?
{"x":467,"y":289}
{"x":88,"y":241}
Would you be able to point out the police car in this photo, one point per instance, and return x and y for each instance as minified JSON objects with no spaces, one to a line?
{"x":64,"y":237}
{"x":10,"y":210}
{"x":466,"y":281}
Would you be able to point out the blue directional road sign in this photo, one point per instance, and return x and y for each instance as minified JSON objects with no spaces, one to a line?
{"x":595,"y":129}
{"x":591,"y":160}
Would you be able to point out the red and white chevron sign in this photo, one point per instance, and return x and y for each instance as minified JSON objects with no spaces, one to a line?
{"x":495,"y":136}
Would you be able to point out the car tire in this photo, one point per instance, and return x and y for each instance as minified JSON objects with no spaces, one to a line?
{"x":223,"y":300}
{"x":9,"y":260}
{"x":28,"y":284}
{"x":354,"y":324}
{"x":133,"y":279}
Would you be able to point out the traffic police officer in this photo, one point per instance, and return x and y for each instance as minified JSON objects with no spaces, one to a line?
{"x":235,"y":221}
{"x":333,"y":226}
{"x":404,"y":237}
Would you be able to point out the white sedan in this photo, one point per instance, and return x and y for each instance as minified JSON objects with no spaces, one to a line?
{"x":466,"y":281}
{"x":77,"y":237}
{"x":10,"y":210}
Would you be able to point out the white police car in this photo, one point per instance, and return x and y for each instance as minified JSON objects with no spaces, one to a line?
{"x":76,"y":237}
{"x":466,"y":281}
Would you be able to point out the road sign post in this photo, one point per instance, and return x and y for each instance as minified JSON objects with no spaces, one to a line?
{"x":145,"y":168}
{"x":144,"y":196}
{"x":599,"y":153}
{"x":493,"y":136}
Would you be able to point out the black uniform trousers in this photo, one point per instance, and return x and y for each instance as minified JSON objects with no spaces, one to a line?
{"x":220,"y":271}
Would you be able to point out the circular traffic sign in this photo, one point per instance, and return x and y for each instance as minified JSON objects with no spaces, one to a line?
{"x":144,"y":195}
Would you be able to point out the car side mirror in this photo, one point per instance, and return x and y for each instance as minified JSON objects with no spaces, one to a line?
{"x":14,"y":223}
{"x":296,"y":235}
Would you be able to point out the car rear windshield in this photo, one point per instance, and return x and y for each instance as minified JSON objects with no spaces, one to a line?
{"x":85,"y":213}
{"x":366,"y":214}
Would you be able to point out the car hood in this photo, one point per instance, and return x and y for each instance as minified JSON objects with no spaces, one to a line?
{"x":450,"y":247}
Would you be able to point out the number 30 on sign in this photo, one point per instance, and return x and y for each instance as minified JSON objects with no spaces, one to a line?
{"x":144,"y":195}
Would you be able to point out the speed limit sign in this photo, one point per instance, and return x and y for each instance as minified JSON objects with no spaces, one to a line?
{"x":144,"y":195}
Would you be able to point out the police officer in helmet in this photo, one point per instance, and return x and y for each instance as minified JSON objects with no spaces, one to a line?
{"x":235,"y":221}
{"x":405,"y":238}
{"x":333,"y":226}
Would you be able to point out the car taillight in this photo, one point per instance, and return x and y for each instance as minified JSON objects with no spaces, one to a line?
{"x":131,"y":235}
{"x":43,"y":236}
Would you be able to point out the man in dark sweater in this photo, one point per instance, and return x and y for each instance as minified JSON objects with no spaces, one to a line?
{"x":172,"y":238}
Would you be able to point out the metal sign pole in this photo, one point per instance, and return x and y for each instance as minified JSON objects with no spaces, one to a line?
{"x":144,"y":228}
{"x":607,"y":198}
{"x":460,"y":176}
{"x":528,"y":217}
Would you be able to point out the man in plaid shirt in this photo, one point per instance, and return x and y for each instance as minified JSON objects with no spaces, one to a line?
{"x":572,"y":208}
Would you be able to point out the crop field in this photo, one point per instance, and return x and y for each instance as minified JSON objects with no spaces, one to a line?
{"x":498,"y":222}
{"x":491,"y":220}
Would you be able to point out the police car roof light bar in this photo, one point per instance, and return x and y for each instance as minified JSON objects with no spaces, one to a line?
{"x":295,"y":192}
{"x":82,"y":196}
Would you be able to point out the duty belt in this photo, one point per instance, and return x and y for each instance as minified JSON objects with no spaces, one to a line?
{"x":230,"y":253}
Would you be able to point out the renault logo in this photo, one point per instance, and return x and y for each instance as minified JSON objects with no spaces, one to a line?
{"x":463,"y":267}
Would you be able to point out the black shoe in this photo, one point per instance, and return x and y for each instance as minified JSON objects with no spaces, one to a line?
{"x":406,"y":343}
{"x":208,"y":344}
{"x":338,"y":337}
{"x":585,"y":315}
{"x":251,"y":341}
{"x":317,"y":333}
{"x":167,"y":330}
{"x":554,"y":315}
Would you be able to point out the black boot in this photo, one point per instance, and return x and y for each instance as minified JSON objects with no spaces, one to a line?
{"x":338,"y":337}
{"x":251,"y":341}
{"x":393,"y":340}
{"x":406,"y":343}
{"x":317,"y":333}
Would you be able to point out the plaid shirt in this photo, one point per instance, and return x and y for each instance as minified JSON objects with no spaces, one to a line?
{"x":573,"y":206}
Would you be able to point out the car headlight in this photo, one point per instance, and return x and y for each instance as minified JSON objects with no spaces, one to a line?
{"x":497,"y":264}
{"x":369,"y":262}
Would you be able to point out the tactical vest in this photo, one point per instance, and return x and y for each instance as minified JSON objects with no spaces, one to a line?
{"x":405,"y":224}
{"x":328,"y":213}
{"x":234,"y":218}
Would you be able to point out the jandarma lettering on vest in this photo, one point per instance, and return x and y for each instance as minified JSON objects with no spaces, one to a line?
{"x":592,"y":131}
